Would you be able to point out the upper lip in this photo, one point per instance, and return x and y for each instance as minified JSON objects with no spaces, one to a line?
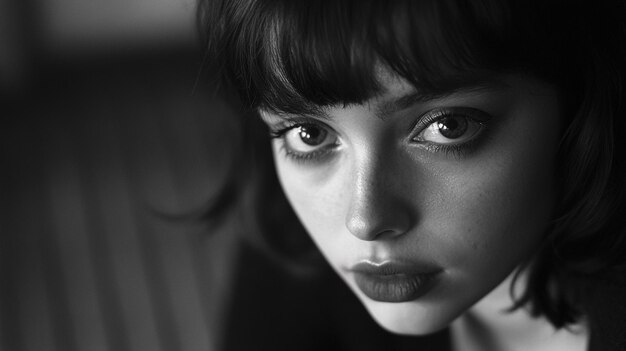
{"x":393,"y":267}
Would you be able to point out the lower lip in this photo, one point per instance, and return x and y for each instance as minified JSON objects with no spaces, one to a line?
{"x":394,"y":287}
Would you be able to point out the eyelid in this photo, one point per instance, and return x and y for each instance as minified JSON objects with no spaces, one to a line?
{"x":433,"y":115}
{"x":277,"y":129}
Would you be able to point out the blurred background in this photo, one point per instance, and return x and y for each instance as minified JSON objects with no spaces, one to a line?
{"x":104,"y":133}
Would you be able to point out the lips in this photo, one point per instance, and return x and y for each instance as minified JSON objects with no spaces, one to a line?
{"x":394,"y":282}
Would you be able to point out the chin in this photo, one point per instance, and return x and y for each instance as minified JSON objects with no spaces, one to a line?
{"x":409,"y":318}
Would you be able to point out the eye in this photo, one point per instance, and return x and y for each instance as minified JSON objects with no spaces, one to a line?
{"x":307,"y":138}
{"x":306,"y":141}
{"x":455,"y":126}
{"x":450,"y":130}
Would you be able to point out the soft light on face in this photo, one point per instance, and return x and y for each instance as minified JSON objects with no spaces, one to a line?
{"x":423,"y":206}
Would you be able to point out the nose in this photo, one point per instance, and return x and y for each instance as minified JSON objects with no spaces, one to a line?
{"x":379,"y":207}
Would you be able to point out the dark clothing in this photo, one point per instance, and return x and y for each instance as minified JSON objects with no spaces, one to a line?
{"x":606,"y":310}
{"x":272,"y":310}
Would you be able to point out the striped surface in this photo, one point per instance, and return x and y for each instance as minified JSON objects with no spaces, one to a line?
{"x":92,"y":164}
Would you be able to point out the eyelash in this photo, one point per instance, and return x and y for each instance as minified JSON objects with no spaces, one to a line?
{"x":456,"y":151}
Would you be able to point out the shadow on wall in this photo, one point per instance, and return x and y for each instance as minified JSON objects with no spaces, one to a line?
{"x":92,"y":151}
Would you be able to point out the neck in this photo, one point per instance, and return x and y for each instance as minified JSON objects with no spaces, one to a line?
{"x":489,"y":326}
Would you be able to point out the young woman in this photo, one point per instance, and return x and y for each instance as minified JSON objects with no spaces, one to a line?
{"x":458,"y":163}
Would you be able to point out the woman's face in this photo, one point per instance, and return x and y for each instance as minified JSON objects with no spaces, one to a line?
{"x":422,"y":203}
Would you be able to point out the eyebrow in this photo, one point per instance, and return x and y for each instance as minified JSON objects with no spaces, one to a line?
{"x":414,"y":97}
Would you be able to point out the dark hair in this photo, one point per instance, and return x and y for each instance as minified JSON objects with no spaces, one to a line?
{"x":295,"y":56}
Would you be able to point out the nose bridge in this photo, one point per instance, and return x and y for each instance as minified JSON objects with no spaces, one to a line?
{"x":378,"y":207}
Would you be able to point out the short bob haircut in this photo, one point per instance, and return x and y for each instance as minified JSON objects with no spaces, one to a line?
{"x":297,"y":55}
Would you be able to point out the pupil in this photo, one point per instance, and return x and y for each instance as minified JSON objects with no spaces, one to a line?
{"x":312,"y":135}
{"x":452,"y":127}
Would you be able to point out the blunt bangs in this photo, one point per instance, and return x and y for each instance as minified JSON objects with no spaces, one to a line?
{"x":297,"y":56}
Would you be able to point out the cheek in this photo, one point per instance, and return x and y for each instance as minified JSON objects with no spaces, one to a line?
{"x":500,"y":217}
{"x":499,"y":205}
{"x":316,"y":198}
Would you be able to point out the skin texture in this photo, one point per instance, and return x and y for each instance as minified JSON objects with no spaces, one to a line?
{"x":375,"y":190}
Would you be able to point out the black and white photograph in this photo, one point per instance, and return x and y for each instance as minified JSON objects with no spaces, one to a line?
{"x":336,"y":175}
